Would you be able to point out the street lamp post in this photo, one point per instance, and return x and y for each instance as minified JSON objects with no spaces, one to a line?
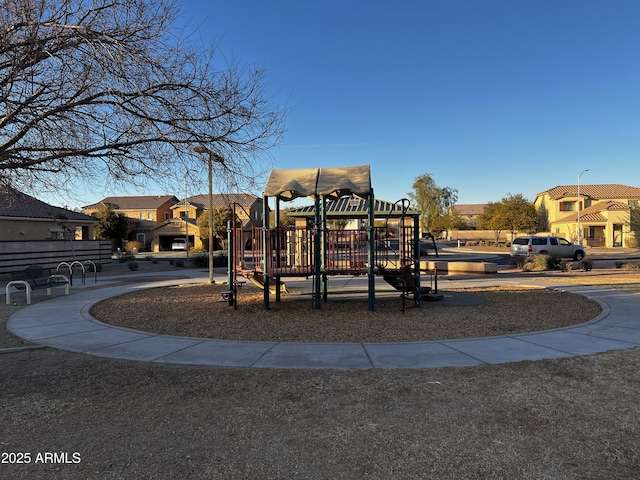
{"x":580,"y":231}
{"x":186,"y":218}
{"x":212,"y":157}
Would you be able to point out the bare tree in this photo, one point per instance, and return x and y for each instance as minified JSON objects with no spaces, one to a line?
{"x":108,"y":89}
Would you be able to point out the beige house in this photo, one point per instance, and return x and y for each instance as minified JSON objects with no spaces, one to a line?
{"x":143,"y":212}
{"x":469,"y":212}
{"x":182,"y":222}
{"x":606,"y":213}
{"x":25,"y":218}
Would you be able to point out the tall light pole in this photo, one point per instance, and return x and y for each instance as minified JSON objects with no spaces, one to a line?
{"x":186,"y":217}
{"x":580,"y":231}
{"x":212,"y":157}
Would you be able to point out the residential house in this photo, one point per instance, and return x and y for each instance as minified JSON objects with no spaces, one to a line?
{"x":25,"y":218}
{"x":607,"y":213}
{"x":469,"y":213}
{"x":184,"y":214}
{"x":144,"y":213}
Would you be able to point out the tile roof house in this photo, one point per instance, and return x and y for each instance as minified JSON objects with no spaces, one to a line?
{"x":469,"y":212}
{"x":23,"y":217}
{"x":607,"y":213}
{"x":143,"y":212}
{"x":183,"y":219}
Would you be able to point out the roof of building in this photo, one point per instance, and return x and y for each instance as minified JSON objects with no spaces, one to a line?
{"x":352,"y":207}
{"x":176,"y":220}
{"x":144,"y":202}
{"x":219,"y":200}
{"x":593,"y":214}
{"x":15,"y":204}
{"x":598,"y":192}
{"x":469,"y":208}
{"x":331,"y":183}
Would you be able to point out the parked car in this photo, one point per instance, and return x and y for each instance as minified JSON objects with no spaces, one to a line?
{"x":550,"y":245}
{"x":179,"y":244}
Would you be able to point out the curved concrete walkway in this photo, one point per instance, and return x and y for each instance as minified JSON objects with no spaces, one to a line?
{"x":65,"y":323}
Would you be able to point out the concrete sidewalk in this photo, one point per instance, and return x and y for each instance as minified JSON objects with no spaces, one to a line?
{"x":64,"y":323}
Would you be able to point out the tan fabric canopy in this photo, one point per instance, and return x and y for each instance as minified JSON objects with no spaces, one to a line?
{"x":332,"y":183}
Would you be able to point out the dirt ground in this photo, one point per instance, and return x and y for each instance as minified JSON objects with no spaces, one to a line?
{"x":75,"y":416}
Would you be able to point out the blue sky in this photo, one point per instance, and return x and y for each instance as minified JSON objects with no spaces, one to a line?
{"x":489,"y":96}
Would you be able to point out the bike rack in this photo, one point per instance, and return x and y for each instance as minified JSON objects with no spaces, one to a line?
{"x":81,"y":265}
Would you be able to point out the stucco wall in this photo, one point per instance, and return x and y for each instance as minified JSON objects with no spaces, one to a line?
{"x":34,"y":229}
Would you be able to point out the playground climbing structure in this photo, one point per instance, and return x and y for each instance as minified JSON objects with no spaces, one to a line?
{"x":311,"y":249}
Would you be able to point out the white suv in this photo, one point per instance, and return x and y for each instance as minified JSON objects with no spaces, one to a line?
{"x":556,"y":246}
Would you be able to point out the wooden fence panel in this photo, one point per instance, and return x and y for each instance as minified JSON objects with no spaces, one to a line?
{"x":49,"y":253}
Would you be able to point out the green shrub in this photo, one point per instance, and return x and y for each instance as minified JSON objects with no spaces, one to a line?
{"x":528,"y":267}
{"x":631,"y":242}
{"x":519,"y":261}
{"x":546,"y":262}
{"x":566,"y":265}
{"x":587,"y":265}
{"x":220,"y":260}
{"x":126,"y":258}
{"x":200,"y":260}
{"x":134,"y":246}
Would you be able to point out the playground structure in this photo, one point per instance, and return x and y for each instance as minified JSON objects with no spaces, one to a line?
{"x":312,"y":249}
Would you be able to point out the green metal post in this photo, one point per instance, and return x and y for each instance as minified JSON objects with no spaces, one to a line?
{"x":323,"y":227}
{"x":276,"y":224}
{"x":265,"y":253}
{"x":231,"y":261}
{"x":416,"y":255}
{"x":317,"y":275}
{"x":371,"y":240}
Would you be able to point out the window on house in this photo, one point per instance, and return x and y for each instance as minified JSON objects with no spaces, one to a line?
{"x":568,"y":206}
{"x":634,"y":203}
{"x":140,"y":238}
{"x":166,"y":216}
{"x":141,"y":216}
{"x":149,"y":216}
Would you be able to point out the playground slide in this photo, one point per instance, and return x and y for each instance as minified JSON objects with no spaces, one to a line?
{"x":258,"y":280}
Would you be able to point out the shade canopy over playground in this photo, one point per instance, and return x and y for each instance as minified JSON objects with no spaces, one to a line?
{"x":331,"y":183}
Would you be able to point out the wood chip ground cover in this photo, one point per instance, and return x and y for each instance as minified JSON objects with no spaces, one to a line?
{"x":197,"y":311}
